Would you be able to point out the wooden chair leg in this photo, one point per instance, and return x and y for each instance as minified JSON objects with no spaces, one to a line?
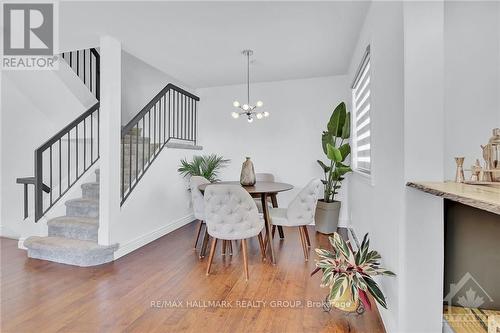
{"x":280,"y":232}
{"x":306,"y":233}
{"x":304,"y":245}
{"x":198,"y":233}
{"x":274,"y":231}
{"x":261,"y":245}
{"x":224,"y":245}
{"x":204,"y":245}
{"x":230,"y":244}
{"x":245,"y":258}
{"x":211,"y":256}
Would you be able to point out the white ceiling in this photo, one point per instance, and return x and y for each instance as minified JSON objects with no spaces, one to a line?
{"x":199,"y":43}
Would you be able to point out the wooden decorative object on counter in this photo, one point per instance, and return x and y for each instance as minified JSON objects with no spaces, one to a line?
{"x":459,"y":177}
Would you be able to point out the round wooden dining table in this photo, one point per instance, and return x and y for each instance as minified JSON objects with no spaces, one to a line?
{"x":264,"y":191}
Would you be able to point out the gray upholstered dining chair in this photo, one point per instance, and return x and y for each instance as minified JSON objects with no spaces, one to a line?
{"x":198,"y":203}
{"x":300,"y":212}
{"x":231,"y":214}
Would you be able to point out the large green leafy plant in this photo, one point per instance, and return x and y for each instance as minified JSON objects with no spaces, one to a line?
{"x":347,"y":270}
{"x":207,"y":166}
{"x":335,"y":141}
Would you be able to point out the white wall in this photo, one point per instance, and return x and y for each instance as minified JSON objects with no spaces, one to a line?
{"x":376,"y":204}
{"x":421,"y":295}
{"x":140,"y":83}
{"x":472,"y":79}
{"x":288,"y":143}
{"x":24,"y":128}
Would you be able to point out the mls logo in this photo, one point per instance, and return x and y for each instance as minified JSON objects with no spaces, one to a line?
{"x":29,"y":29}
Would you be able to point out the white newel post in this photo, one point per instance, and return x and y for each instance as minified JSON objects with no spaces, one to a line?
{"x":421,"y":296}
{"x":110,"y":128}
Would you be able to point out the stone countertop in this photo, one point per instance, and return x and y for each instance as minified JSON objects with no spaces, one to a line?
{"x":478,"y":196}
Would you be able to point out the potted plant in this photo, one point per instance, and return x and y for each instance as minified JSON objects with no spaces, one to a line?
{"x":335,"y":142}
{"x":349,"y":275}
{"x":207,"y":166}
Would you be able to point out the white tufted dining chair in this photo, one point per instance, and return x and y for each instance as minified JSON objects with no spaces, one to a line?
{"x":231,"y":214}
{"x":300,"y":212}
{"x":198,"y":204}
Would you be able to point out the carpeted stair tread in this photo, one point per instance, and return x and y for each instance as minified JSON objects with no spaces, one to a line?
{"x":69,"y":251}
{"x":83,"y":222}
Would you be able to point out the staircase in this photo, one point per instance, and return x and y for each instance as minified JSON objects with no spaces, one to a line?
{"x":169,"y":120}
{"x":72,"y":238}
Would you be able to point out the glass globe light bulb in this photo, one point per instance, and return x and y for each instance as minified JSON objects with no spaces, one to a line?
{"x":250,"y":119}
{"x":259,"y":115}
{"x":245,"y":107}
{"x":235,"y":115}
{"x":236,"y":104}
{"x":259,"y":104}
{"x":266,"y":114}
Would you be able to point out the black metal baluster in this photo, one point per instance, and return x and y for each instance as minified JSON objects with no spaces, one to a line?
{"x":92,"y":119}
{"x":143,"y":140}
{"x":90,"y":71}
{"x":184,"y":112}
{"x":195,"y":123}
{"x":137,"y":153}
{"x":60,"y":176}
{"x":190,"y":129}
{"x":154,"y":130}
{"x":177,"y":113}
{"x":159,"y":123}
{"x":149,"y":135}
{"x":84,"y":145}
{"x":78,"y":62}
{"x":69,"y":154}
{"x":76,"y":143}
{"x":98,"y":131}
{"x":84,"y":71}
{"x":164,"y":118}
{"x":130,"y":164}
{"x":123,"y":167}
{"x":50,"y":170}
{"x":71,"y":59}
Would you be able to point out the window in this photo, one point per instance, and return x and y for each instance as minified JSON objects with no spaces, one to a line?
{"x":361,"y":135}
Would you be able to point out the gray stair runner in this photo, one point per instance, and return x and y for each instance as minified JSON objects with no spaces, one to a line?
{"x":72,"y":238}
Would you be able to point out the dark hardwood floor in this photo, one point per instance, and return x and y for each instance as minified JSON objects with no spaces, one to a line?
{"x":162,"y":287}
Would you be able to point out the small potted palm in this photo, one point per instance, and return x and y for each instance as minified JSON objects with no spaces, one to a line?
{"x":349,"y":275}
{"x":335,"y":142}
{"x":207,"y":166}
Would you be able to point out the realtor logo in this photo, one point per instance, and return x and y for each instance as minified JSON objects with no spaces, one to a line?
{"x":29,"y":29}
{"x":29,"y":35}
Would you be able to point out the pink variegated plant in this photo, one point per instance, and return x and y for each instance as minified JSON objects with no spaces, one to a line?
{"x":344,"y":269}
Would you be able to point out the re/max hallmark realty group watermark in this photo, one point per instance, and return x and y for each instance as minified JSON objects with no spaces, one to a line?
{"x":30,"y":35}
{"x":235,"y":304}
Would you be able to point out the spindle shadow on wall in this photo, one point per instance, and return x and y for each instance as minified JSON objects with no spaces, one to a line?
{"x":171,"y":116}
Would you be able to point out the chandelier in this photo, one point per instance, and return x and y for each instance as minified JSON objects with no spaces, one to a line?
{"x":247,"y":110}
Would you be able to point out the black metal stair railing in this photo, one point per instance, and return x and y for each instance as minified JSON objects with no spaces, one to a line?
{"x":170,"y":116}
{"x":86,"y":64}
{"x":62,"y":160}
{"x":65,"y":157}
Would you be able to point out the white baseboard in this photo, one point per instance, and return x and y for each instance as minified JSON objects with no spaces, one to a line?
{"x":148,"y":238}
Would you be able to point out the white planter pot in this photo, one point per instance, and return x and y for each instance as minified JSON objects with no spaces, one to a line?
{"x":327,"y":216}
